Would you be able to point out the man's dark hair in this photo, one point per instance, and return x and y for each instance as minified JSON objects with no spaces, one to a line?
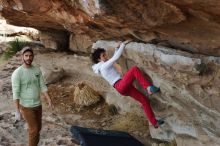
{"x":96,"y":54}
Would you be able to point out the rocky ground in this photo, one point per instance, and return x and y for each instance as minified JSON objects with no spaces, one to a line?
{"x":57,"y":122}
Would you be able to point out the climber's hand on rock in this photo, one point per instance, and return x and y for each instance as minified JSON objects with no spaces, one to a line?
{"x":127,"y":41}
{"x":118,"y":44}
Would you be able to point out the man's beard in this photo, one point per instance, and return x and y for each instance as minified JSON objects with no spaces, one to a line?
{"x":27,"y":62}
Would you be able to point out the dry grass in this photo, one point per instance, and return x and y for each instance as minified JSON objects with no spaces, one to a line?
{"x":84,"y":95}
{"x":131,"y":123}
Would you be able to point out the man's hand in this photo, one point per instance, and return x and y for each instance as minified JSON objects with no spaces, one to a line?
{"x":18,"y":115}
{"x":49,"y":101}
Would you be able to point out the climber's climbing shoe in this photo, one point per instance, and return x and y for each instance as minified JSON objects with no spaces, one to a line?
{"x":159,"y":123}
{"x":152,"y":89}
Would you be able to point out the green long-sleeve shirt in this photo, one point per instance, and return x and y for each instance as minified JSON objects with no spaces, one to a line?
{"x":27,"y":84}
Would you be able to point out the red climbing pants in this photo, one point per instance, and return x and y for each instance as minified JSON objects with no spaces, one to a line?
{"x":124,"y":86}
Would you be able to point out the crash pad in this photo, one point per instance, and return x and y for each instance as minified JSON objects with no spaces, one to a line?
{"x":98,"y":137}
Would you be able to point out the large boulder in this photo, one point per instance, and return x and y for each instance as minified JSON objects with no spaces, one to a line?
{"x":189,"y":91}
{"x":52,"y":75}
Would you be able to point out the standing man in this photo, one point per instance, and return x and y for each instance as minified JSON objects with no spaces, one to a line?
{"x":27,"y":84}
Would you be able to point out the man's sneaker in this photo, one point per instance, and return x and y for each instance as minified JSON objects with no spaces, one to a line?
{"x":159,"y":123}
{"x":152,"y":89}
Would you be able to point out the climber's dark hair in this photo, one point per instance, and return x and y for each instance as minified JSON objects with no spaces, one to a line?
{"x":96,"y":55}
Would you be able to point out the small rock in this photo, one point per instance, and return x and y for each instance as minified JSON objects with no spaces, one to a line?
{"x":103,"y":124}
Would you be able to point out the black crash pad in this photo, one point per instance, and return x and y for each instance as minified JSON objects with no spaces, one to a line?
{"x":96,"y":137}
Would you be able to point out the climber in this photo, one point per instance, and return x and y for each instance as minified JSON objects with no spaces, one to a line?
{"x":27,"y":84}
{"x":110,"y":71}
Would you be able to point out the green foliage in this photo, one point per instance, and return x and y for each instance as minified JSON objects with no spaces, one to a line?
{"x":14,"y":47}
{"x":112,"y":110}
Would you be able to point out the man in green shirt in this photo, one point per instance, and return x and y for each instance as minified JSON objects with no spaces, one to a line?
{"x":27,"y":84}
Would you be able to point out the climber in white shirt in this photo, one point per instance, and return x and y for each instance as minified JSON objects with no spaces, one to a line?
{"x":107,"y":68}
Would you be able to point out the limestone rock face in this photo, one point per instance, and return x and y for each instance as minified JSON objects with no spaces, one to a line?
{"x":54,"y":40}
{"x":187,"y":25}
{"x":80,"y":43}
{"x":189,"y":91}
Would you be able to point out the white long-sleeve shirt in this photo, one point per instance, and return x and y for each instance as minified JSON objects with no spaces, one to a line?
{"x":107,"y":70}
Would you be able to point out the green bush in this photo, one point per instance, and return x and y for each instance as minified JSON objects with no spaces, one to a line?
{"x":14,"y":47}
